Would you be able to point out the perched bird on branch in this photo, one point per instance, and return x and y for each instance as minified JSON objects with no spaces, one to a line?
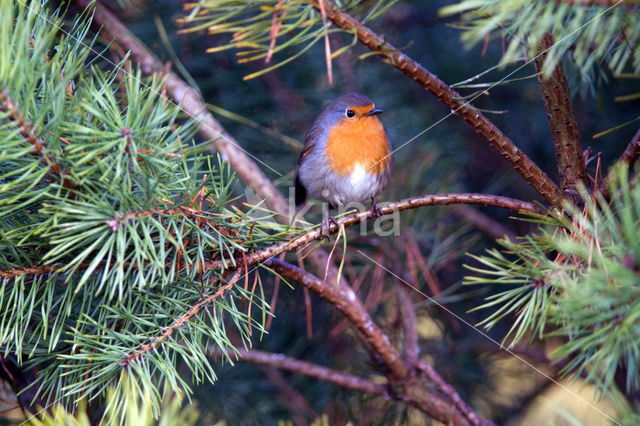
{"x":346,"y":156}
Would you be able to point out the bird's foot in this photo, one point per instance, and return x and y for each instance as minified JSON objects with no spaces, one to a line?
{"x":325,"y":227}
{"x":375,"y":210}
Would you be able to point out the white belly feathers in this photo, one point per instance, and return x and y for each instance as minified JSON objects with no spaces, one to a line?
{"x":361,"y":180}
{"x":339,"y":190}
{"x":360,"y":185}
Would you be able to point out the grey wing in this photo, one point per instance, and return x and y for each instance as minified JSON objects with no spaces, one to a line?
{"x":309,"y":145}
{"x":310,"y":139}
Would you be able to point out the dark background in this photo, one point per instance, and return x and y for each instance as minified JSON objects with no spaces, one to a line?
{"x":450,"y":157}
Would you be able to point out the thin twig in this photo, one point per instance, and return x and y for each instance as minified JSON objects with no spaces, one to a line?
{"x":290,"y":397}
{"x":448,"y":390}
{"x":315,"y":234}
{"x":631,"y":154}
{"x":34,"y":270}
{"x":120,"y":218}
{"x":319,"y":372}
{"x":346,"y":301}
{"x":408,"y":319}
{"x":180,"y":321}
{"x":276,"y":23}
{"x":628,"y":157}
{"x":327,"y":44}
{"x":520,"y":161}
{"x":191,"y":103}
{"x":386,"y":209}
{"x":562,"y":121}
{"x":29,"y":134}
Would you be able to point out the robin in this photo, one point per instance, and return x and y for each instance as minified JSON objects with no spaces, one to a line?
{"x":346,"y":156}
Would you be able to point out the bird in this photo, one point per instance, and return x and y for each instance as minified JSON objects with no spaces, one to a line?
{"x":346,"y":156}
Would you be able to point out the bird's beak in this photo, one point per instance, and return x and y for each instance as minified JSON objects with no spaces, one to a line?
{"x":374,"y":111}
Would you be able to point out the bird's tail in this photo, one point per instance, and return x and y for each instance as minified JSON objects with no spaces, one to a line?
{"x":301,"y":192}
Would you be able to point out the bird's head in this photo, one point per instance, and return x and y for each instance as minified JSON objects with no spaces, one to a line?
{"x":353,"y":108}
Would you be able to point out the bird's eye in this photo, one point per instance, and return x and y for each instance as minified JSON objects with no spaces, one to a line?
{"x":350,"y":113}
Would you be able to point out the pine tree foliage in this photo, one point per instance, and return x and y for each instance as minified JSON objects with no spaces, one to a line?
{"x":140,"y":410}
{"x":266,"y":28}
{"x":593,"y":35}
{"x":577,"y":278}
{"x":107,"y":221}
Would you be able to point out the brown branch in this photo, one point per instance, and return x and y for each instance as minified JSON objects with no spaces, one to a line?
{"x":387,"y":208}
{"x":114,"y":223}
{"x":628,"y":157}
{"x":28,"y":133}
{"x":180,"y":321}
{"x":409,"y":321}
{"x":34,"y":270}
{"x":346,"y":301}
{"x":191,"y":103}
{"x":316,"y":371}
{"x":562,"y":121}
{"x":349,"y":220}
{"x":411,"y":391}
{"x":315,"y":234}
{"x":520,"y":161}
{"x":189,"y":212}
{"x":344,"y":380}
{"x":631,"y":154}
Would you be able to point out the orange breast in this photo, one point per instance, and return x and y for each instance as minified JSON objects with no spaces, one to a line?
{"x":362,"y":140}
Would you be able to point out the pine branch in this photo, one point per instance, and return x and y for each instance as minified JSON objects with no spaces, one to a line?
{"x":115,"y":222}
{"x":595,"y":39}
{"x":347,"y":381}
{"x":412,"y":391}
{"x":520,"y":161}
{"x":180,"y":321}
{"x":553,"y":278}
{"x":315,"y":234}
{"x":74,"y":327}
{"x":345,"y":300}
{"x":386,"y":209}
{"x":29,"y":134}
{"x":34,"y":270}
{"x":347,"y":220}
{"x":339,"y":378}
{"x":193,"y":105}
{"x":562,"y":121}
{"x":601,"y":3}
